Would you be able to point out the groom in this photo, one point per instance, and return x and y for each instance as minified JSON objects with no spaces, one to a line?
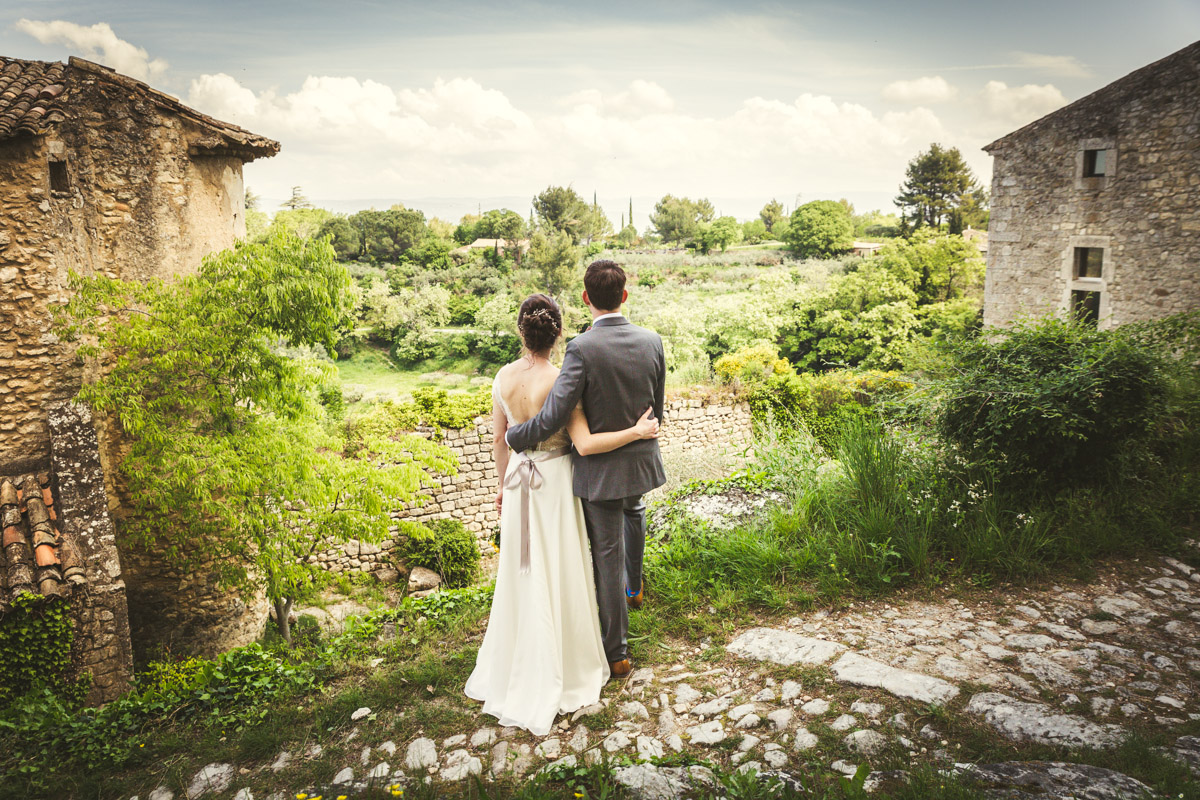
{"x":617,"y":370}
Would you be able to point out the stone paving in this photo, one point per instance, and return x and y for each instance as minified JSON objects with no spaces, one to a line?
{"x":1079,"y":666}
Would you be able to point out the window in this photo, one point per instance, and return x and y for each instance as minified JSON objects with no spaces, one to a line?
{"x":1089,"y":262}
{"x":59,"y":181}
{"x":1095,"y":163}
{"x":1085,"y":307}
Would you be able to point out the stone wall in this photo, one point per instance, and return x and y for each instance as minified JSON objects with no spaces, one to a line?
{"x":692,"y":423}
{"x":102,"y":645}
{"x":1144,"y":213}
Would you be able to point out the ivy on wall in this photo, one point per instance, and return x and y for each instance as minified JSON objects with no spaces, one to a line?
{"x":35,"y":644}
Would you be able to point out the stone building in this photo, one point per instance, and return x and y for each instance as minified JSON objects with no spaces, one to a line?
{"x":100,"y":174}
{"x":1095,"y":208}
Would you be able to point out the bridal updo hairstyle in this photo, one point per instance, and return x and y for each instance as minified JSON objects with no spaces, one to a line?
{"x":539,"y":322}
{"x":605,"y":283}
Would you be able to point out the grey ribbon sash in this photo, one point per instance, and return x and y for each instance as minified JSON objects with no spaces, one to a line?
{"x":528,"y":478}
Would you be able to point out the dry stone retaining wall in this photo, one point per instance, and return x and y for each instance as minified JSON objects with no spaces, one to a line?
{"x":691,"y":424}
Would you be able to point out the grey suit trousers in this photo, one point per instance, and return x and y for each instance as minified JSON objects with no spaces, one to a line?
{"x":617,"y":532}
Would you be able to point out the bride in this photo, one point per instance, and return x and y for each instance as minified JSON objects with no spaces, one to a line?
{"x":542,"y":654}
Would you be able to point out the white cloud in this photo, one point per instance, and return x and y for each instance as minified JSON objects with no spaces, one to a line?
{"x":345,"y":137}
{"x":1020,"y":104}
{"x":1061,"y":66}
{"x":921,"y":90}
{"x":96,"y":43}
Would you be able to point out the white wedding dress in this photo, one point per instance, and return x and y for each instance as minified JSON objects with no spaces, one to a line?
{"x":542,"y":654}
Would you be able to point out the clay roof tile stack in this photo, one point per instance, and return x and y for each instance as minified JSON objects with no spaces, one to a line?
{"x":35,"y":557}
{"x":30,"y":92}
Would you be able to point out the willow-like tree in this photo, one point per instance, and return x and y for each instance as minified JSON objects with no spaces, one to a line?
{"x":233,"y":466}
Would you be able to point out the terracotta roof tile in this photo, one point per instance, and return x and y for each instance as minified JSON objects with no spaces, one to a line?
{"x":34,"y":552}
{"x":34,"y":95}
{"x":29,"y":91}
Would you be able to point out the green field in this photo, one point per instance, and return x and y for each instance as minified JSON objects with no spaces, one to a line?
{"x":369,"y":375}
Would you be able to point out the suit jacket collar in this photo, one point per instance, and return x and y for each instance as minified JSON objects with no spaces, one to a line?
{"x":604,"y":323}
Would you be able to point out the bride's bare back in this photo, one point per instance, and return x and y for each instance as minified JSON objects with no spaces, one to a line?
{"x":524,"y":385}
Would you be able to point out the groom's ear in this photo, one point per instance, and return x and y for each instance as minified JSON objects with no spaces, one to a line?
{"x":624,"y":297}
{"x":586,"y":301}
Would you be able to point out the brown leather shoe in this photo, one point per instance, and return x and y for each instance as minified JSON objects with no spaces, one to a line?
{"x":635,"y":600}
{"x":620,"y":669}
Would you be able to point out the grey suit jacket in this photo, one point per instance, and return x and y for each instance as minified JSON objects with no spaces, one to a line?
{"x":617,"y":370}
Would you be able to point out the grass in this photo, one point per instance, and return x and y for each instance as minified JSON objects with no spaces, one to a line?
{"x":368,"y":374}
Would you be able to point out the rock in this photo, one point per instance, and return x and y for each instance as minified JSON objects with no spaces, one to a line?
{"x":387,"y":575}
{"x":360,"y":714}
{"x":381,"y":771}
{"x":212,"y":779}
{"x":780,"y":718}
{"x":594,"y":708}
{"x":1034,"y":722}
{"x":951,"y":667}
{"x":484,"y":737}
{"x":995,"y":652}
{"x":1062,"y":631}
{"x":1099,"y":627}
{"x":675,"y":742}
{"x":804,"y":740}
{"x":843,"y":723}
{"x":783,"y":647}
{"x":617,"y":740}
{"x":791,"y":690}
{"x":1054,"y":780}
{"x":860,"y":671}
{"x":872,"y":710}
{"x":766,"y":695}
{"x":666,"y":723}
{"x":776,"y":759}
{"x":345,"y":776}
{"x":867,"y":742}
{"x":747,"y":743}
{"x":454,"y":741}
{"x":579,"y":740}
{"x":649,"y":747}
{"x":713,"y":707}
{"x":162,"y":793}
{"x":640,"y":677}
{"x":634,"y":710}
{"x":686,"y":695}
{"x":1187,"y":751}
{"x":281,"y":761}
{"x":1051,"y":670}
{"x":1029,"y":641}
{"x":844,"y":767}
{"x":549,"y":749}
{"x":707,"y":733}
{"x":421,"y":754}
{"x":749,"y":721}
{"x":737,"y":712}
{"x":423,"y":580}
{"x":243,"y":794}
{"x":459,"y":765}
{"x":1167,"y":700}
{"x":815,"y":707}
{"x":650,"y":782}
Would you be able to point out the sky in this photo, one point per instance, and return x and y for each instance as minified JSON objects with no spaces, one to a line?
{"x":453,"y":106}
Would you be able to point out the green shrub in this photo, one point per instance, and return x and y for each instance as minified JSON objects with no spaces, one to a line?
{"x":35,"y":644}
{"x":447,"y":548}
{"x":433,"y":407}
{"x":1052,"y":403}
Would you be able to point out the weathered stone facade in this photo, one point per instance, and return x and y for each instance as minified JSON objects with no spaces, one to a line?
{"x":1135,"y":210}
{"x":101,"y":175}
{"x":468,"y":496}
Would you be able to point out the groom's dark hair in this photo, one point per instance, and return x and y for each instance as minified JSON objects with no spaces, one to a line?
{"x":605,"y":283}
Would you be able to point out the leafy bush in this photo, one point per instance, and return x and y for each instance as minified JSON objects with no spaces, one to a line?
{"x":751,"y":365}
{"x":1052,"y":403}
{"x":35,"y":644}
{"x":436,"y":408}
{"x":447,"y":548}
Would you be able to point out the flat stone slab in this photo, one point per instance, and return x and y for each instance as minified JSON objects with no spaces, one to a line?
{"x":650,"y":782}
{"x":862,"y":671}
{"x":1033,"y":722}
{"x":1055,"y":780}
{"x":783,"y":647}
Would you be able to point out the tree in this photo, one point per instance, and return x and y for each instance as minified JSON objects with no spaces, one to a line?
{"x":297,"y":200}
{"x":303,"y":222}
{"x":388,"y":235}
{"x":232,"y":467}
{"x":754,"y":231}
{"x":252,"y":201}
{"x":556,"y":259}
{"x":721,"y":233}
{"x":677,"y":219}
{"x":936,"y":267}
{"x":771,"y":213}
{"x":820,"y":229}
{"x":936,"y":182}
{"x":562,"y":209}
{"x":343,"y":236}
{"x":465,"y":232}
